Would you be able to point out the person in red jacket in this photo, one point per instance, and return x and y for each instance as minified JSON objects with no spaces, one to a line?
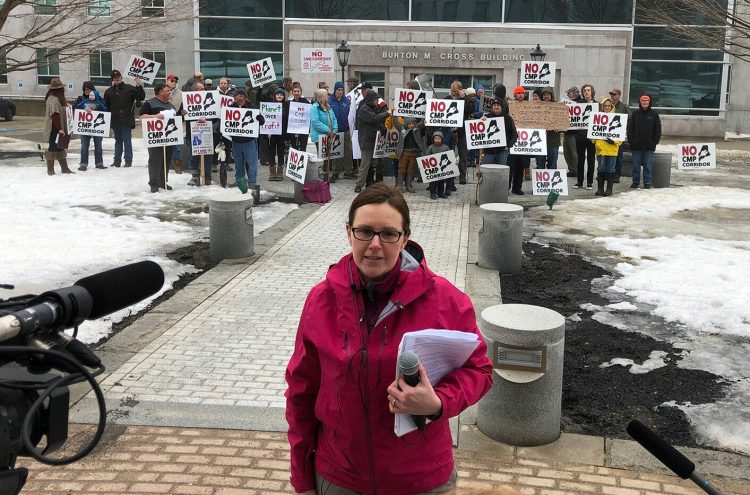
{"x":342,"y":396}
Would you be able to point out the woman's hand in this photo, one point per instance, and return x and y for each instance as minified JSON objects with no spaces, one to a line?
{"x":420,"y":400}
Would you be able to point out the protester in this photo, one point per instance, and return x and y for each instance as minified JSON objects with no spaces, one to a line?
{"x":351,"y":83}
{"x":644,"y":133}
{"x":197,"y":77}
{"x":121,"y":99}
{"x":479,"y":89}
{"x":370,"y":119}
{"x":606,"y":154}
{"x":340,"y":105}
{"x":499,"y":92}
{"x":472,"y":110}
{"x":438,"y":188}
{"x":296,"y":141}
{"x":584,"y":147}
{"x":55,"y":127}
{"x":458,"y":93}
{"x":208,"y":84}
{"x":341,"y":399}
{"x":195,"y":160}
{"x":225,"y":86}
{"x":91,"y":101}
{"x":499,"y":154}
{"x":570,"y":150}
{"x":276,"y":142}
{"x":160,"y":108}
{"x":518,"y":163}
{"x":323,"y":85}
{"x":287,"y":84}
{"x":323,"y":123}
{"x":553,"y":138}
{"x":245,"y":149}
{"x":225,"y":89}
{"x":264,"y":147}
{"x":622,"y":108}
{"x":410,"y":146}
{"x":175,"y":98}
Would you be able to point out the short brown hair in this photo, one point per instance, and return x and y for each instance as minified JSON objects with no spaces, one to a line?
{"x":380,"y":193}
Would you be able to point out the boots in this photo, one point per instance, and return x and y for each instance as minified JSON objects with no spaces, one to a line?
{"x":177,"y":166}
{"x":600,"y":184}
{"x":610,"y":182}
{"x":271,"y":171}
{"x":400,"y":182}
{"x":409,"y":187}
{"x":49,"y":158}
{"x":62,"y":157}
{"x":280,"y":172}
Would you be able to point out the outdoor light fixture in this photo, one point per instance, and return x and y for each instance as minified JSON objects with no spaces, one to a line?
{"x":342,"y":52}
{"x":537,"y":54}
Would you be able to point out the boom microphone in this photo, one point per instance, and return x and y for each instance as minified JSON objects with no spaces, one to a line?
{"x":408,"y":363}
{"x":668,"y":455}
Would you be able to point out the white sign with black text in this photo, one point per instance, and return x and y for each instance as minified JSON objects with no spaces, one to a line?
{"x":485,"y":133}
{"x":199,"y":104}
{"x":142,"y":67}
{"x":697,"y":156}
{"x":201,"y":138}
{"x":411,"y":103}
{"x":608,"y":125}
{"x":336,"y":146}
{"x":296,"y":165}
{"x":580,"y":114}
{"x":445,"y":113}
{"x":379,"y":145}
{"x":537,"y":73}
{"x":530,"y":142}
{"x":91,"y":123}
{"x":438,"y":166}
{"x":272,"y":112}
{"x":163,"y":132}
{"x":240,"y":122}
{"x":261,"y":72}
{"x":546,"y":181}
{"x":298,"y":120}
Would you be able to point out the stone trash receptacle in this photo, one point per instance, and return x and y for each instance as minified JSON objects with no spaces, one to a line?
{"x":526,"y":345}
{"x":501,"y":237}
{"x":312,"y":173}
{"x":230,"y":226}
{"x":493,"y":187}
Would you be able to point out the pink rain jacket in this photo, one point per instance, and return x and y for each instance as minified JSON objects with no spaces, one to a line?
{"x":337,"y":403}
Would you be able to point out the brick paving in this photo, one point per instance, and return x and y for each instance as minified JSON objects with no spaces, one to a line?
{"x":182,"y":409}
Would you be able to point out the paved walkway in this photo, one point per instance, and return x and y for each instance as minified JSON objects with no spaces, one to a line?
{"x":199,"y":408}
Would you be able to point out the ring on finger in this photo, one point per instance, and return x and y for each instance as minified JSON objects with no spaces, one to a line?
{"x":394,"y":402}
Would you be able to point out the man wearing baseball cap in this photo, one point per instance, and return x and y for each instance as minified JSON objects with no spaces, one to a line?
{"x":121,"y":99}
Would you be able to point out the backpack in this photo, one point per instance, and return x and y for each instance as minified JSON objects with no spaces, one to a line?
{"x":316,"y":191}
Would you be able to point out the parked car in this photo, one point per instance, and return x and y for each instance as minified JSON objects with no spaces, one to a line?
{"x":7,"y":109}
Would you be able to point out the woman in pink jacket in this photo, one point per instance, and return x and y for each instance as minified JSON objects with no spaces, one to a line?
{"x":342,"y":395}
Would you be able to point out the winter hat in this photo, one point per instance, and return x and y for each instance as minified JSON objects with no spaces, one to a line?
{"x":279,"y":91}
{"x":88,"y":85}
{"x":338,"y":85}
{"x":470,"y":92}
{"x":573,"y":89}
{"x":478,"y":87}
{"x":240,"y":92}
{"x":437,"y":134}
{"x":499,"y":92}
{"x":115,"y":73}
{"x":644,"y":95}
{"x":56,"y":83}
{"x":607,"y":99}
{"x":366,"y":85}
{"x":409,"y":120}
{"x":548,"y":89}
{"x":519,"y":90}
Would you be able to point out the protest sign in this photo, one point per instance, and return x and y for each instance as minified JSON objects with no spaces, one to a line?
{"x":530,"y":142}
{"x":392,"y":138}
{"x":438,"y":166}
{"x":261,"y":71}
{"x":336,"y":146}
{"x":142,"y":67}
{"x":696,"y":156}
{"x":298,"y":121}
{"x":315,"y":60}
{"x":225,"y":100}
{"x":579,"y":114}
{"x":549,"y":115}
{"x":199,"y":104}
{"x":240,"y":122}
{"x":91,"y":123}
{"x":163,"y":132}
{"x":273,"y":115}
{"x":546,"y":181}
{"x":537,"y":73}
{"x":201,"y":138}
{"x":445,"y":113}
{"x":70,"y":117}
{"x":296,"y":165}
{"x":607,"y":125}
{"x":379,"y":145}
{"x":487,"y":133}
{"x":485,"y":103}
{"x":411,"y":102}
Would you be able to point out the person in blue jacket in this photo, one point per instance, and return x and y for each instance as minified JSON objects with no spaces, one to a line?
{"x":341,"y":105}
{"x":323,"y":122}
{"x":91,"y":101}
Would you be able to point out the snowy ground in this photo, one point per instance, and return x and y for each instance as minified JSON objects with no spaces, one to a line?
{"x":681,"y":254}
{"x":62,"y":228}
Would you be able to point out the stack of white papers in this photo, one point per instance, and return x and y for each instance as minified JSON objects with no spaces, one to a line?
{"x":440,"y":352}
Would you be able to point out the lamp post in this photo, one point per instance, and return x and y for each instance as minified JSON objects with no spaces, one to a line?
{"x":342,"y":52}
{"x":537,"y":55}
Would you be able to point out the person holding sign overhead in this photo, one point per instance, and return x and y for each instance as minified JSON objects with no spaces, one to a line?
{"x":341,"y":395}
{"x":245,"y":149}
{"x":90,"y":101}
{"x":121,"y":99}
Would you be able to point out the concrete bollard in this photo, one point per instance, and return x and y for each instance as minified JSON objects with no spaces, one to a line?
{"x":494,"y":185}
{"x":627,"y":164}
{"x":526,"y":344}
{"x":501,"y":237}
{"x":661,"y":169}
{"x":311,"y":174}
{"x":230,"y":226}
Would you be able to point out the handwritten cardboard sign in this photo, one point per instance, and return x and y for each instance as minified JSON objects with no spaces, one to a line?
{"x":549,"y":115}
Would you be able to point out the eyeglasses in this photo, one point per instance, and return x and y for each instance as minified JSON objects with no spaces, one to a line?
{"x":389,"y":236}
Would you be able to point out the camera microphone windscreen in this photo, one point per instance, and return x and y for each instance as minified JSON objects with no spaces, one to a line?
{"x":121,"y":287}
{"x":659,"y":448}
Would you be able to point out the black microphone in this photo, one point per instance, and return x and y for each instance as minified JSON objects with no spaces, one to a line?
{"x":668,"y":455}
{"x":408,"y":363}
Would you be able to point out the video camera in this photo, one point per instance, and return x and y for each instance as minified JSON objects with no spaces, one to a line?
{"x":34,"y":399}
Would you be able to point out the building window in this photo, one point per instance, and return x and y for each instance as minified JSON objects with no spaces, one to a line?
{"x":45,"y":7}
{"x":392,"y":10}
{"x":247,"y":8}
{"x":3,"y":70}
{"x":452,"y":10}
{"x":152,"y":8}
{"x":255,"y":29}
{"x":215,"y":64}
{"x":441,"y":83}
{"x":377,"y":79}
{"x":569,"y":11}
{"x":100,"y":8}
{"x":689,"y":88}
{"x":47,"y":65}
{"x":100,"y":67}
{"x":161,"y":75}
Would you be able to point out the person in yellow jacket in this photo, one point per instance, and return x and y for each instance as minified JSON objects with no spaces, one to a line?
{"x":606,"y":155}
